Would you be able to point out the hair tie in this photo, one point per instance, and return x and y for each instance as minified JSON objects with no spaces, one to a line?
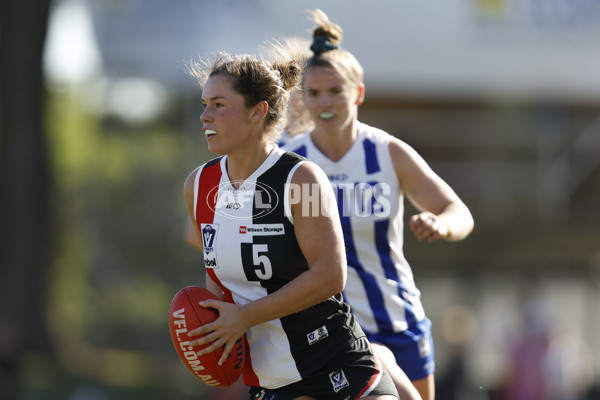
{"x":321,"y":44}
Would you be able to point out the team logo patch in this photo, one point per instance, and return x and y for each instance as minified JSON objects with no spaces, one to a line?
{"x":338,"y":380}
{"x":209,"y":235}
{"x":317,"y":335}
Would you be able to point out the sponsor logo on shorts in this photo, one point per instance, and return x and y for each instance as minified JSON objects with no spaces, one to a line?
{"x":338,"y":380}
{"x":317,"y":335}
{"x":424,"y":347}
{"x":265,"y":395}
{"x":429,"y":366}
{"x":260,"y":395}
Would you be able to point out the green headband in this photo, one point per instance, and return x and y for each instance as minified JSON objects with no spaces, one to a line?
{"x":321,"y":44}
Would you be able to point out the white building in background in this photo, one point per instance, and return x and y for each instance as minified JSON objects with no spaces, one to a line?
{"x":527,"y":49}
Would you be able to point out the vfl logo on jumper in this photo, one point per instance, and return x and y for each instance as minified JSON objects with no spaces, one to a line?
{"x":338,"y":380}
{"x":317,"y":335}
{"x":250,"y":200}
{"x":209,"y":235}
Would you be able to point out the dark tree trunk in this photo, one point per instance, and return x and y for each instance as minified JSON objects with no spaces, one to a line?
{"x":25,"y":234}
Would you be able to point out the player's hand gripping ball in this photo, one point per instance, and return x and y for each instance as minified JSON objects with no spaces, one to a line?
{"x":185,"y":314}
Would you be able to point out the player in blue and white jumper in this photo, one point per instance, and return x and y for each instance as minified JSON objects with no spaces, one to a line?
{"x":372,"y":172}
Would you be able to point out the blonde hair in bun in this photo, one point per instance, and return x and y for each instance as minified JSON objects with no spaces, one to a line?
{"x":328,"y":52}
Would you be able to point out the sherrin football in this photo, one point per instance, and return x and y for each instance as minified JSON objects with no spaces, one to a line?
{"x":185,"y":314}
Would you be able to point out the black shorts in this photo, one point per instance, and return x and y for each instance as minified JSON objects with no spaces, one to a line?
{"x":352,"y":375}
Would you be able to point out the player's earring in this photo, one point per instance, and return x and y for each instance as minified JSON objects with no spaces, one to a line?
{"x":360,"y":95}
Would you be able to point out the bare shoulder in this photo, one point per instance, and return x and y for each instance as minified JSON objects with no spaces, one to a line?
{"x":406,"y":160}
{"x":188,"y":186}
{"x":189,"y":181}
{"x":311,"y":188}
{"x":309,"y":172}
{"x":401,"y":150}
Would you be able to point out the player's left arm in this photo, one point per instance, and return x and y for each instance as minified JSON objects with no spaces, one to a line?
{"x":443,"y":214}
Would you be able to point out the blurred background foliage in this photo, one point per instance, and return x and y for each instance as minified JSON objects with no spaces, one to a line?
{"x":120,"y":251}
{"x":119,"y":257}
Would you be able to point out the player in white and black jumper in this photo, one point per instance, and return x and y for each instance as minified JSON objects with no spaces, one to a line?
{"x":278,"y":261}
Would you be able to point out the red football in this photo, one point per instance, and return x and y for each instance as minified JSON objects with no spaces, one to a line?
{"x":185,"y":314}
